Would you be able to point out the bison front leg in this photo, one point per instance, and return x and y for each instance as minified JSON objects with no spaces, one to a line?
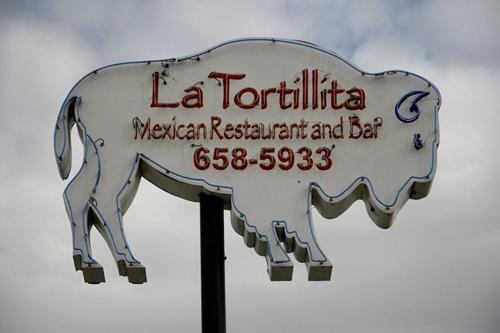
{"x":264,"y":240}
{"x":295,"y":229}
{"x":298,"y":237}
{"x":281,"y":224}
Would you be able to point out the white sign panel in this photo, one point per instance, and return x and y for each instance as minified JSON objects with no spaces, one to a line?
{"x":274,"y":127}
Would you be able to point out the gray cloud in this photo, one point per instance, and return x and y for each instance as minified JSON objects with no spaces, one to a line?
{"x":436,"y":270}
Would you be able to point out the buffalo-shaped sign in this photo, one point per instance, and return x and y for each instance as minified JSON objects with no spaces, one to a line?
{"x":273,"y":127}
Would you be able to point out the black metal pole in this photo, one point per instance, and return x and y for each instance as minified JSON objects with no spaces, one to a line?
{"x":213,"y":294}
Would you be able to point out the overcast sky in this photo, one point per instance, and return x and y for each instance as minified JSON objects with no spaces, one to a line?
{"x":436,"y":270}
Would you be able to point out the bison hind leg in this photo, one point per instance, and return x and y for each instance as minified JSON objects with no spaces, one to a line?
{"x":92,"y":273}
{"x":126,"y":263}
{"x":78,"y":211}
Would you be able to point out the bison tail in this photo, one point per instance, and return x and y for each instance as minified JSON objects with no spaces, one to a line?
{"x":62,"y":136}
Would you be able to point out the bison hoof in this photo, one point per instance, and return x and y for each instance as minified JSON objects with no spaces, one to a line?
{"x":319,"y":271}
{"x":122,"y":267}
{"x":281,"y":271}
{"x":93,"y":274}
{"x":77,"y":261}
{"x":136,"y":274}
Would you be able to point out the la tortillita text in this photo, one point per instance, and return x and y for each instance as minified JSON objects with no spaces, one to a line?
{"x":308,"y":91}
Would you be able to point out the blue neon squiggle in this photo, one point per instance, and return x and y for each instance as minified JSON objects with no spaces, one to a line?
{"x":417,"y":141}
{"x":413,"y":107}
